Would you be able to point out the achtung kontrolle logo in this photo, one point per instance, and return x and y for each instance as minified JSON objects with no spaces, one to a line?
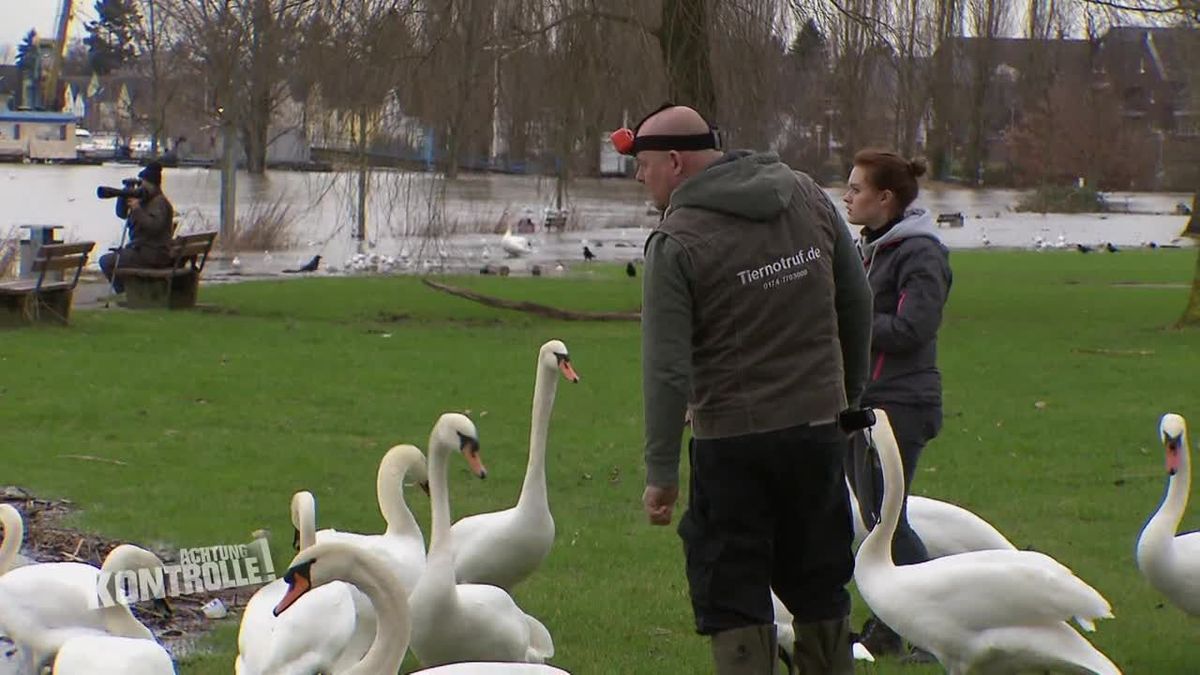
{"x":199,"y":570}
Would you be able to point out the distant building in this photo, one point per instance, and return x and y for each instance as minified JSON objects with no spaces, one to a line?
{"x":10,"y":87}
{"x":37,"y":135}
{"x":1144,"y":76}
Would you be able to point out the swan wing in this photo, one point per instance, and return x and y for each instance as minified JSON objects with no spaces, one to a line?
{"x":50,"y":595}
{"x":502,"y":548}
{"x":254,"y":632}
{"x":316,"y":631}
{"x":501,"y":630}
{"x":108,"y":655}
{"x":541,"y":645}
{"x":474,"y":541}
{"x":991,"y":589}
{"x":1056,"y":647}
{"x":1187,"y":548}
{"x":949,"y":529}
{"x":493,"y":669}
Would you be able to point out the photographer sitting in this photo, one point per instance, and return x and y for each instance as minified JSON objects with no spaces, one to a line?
{"x":150,"y":219}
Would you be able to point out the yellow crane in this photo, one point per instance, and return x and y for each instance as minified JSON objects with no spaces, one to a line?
{"x":51,"y":98}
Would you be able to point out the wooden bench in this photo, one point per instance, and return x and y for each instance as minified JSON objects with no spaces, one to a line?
{"x":950,"y":219}
{"x":48,"y":297}
{"x":173,"y":287}
{"x":555,"y":221}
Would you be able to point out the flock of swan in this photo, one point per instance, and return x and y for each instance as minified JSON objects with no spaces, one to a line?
{"x":356,"y":604}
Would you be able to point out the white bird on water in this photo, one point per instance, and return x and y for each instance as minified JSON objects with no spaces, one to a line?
{"x":515,"y":246}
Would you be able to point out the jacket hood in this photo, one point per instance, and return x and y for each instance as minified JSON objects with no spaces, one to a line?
{"x":917,"y":222}
{"x":744,"y":184}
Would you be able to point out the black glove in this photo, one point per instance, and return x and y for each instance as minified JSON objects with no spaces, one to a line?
{"x":856,"y":419}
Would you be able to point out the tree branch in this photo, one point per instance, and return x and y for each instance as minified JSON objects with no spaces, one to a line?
{"x":1186,"y":7}
{"x":1180,"y":7}
{"x":591,"y":14}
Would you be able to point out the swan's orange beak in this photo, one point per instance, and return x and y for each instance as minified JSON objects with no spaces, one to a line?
{"x":1174,"y":454}
{"x":568,"y":371}
{"x":470,"y":450}
{"x":298,"y":584}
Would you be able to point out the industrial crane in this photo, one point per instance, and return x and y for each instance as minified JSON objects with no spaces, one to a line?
{"x":51,"y":97}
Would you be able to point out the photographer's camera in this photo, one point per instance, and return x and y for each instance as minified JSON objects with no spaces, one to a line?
{"x":132,"y":189}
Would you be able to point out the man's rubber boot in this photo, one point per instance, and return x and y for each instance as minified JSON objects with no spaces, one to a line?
{"x":823,"y":648}
{"x":750,"y":650}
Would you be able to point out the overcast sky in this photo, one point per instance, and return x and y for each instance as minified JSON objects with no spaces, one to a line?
{"x":18,"y":16}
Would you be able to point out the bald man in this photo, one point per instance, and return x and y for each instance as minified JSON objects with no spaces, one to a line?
{"x":757,"y":319}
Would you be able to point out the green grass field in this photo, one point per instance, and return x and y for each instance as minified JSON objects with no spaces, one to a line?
{"x":220,"y":415}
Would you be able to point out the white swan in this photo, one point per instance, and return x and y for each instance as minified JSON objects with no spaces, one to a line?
{"x":515,"y":246}
{"x":42,"y":606}
{"x":944,"y":528}
{"x":338,"y":561}
{"x":109,"y":655}
{"x":327,"y":631}
{"x":502,"y":548}
{"x":14,"y":534}
{"x":985,"y":611}
{"x":1172,"y":563}
{"x":402,"y":542}
{"x":465,"y":622}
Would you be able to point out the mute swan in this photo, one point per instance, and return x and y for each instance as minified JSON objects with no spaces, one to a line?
{"x":14,"y":534}
{"x":109,"y":655}
{"x":503,"y":548}
{"x":944,"y":528}
{"x":981,"y":611}
{"x":465,"y":622}
{"x":42,"y":606}
{"x":1172,"y":563}
{"x":402,"y":542}
{"x":327,"y":631}
{"x":338,"y":561}
{"x":515,"y":246}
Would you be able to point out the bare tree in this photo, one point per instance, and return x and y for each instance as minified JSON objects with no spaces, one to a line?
{"x":239,"y":50}
{"x":948,"y":21}
{"x":749,"y":57}
{"x":358,"y":53}
{"x":988,"y":19}
{"x":1186,"y":13}
{"x":683,"y":35}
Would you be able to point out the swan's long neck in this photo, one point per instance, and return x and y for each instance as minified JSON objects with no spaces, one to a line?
{"x":119,"y":621}
{"x":14,"y":534}
{"x":1160,"y":531}
{"x":393,"y":624}
{"x":533,"y":491}
{"x":306,"y":523}
{"x":389,"y":490}
{"x":877,"y":547}
{"x":439,"y":564}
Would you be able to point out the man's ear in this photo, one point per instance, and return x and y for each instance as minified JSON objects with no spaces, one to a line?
{"x":676,"y":160}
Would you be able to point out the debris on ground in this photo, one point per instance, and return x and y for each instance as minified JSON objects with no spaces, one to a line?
{"x":47,"y":541}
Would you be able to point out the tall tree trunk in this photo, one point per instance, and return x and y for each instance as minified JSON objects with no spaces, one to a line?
{"x":1191,"y":315}
{"x":683,"y":38}
{"x":363,"y":175}
{"x":941,"y":139}
{"x":262,"y":72}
